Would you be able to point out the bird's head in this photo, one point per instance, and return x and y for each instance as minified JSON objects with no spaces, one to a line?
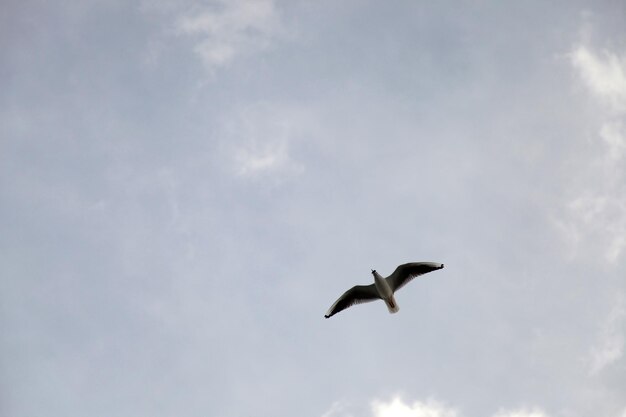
{"x":373,"y":271}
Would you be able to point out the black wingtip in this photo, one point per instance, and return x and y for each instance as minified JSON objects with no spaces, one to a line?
{"x":326,"y":317}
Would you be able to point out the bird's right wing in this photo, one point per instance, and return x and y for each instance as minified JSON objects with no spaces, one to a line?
{"x":355,"y":295}
{"x":406,"y":272}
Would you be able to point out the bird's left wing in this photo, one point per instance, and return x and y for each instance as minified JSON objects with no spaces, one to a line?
{"x":355,"y":295}
{"x":406,"y":272}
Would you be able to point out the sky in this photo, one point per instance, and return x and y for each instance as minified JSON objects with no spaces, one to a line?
{"x":187,"y":186}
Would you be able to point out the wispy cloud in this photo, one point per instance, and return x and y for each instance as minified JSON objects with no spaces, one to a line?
{"x":256,"y":158}
{"x":521,"y":413}
{"x":258,"y":141}
{"x":604,"y":74}
{"x":596,"y":214}
{"x":227,"y":29}
{"x":397,"y":407}
{"x":610,"y":346}
{"x":614,"y":136}
{"x":336,"y":409}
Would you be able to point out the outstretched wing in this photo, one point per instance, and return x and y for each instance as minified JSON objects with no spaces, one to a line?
{"x":406,"y":272}
{"x":355,"y":295}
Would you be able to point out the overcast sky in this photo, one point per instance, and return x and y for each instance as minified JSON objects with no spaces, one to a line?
{"x":187,"y":186}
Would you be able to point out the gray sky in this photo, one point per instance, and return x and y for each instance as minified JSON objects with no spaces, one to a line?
{"x":186,"y":187}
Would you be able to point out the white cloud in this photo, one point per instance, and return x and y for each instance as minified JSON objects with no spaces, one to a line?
{"x":595,"y":215}
{"x":226,"y":29}
{"x":398,"y":408}
{"x":521,"y":413}
{"x":258,"y":141}
{"x":336,"y":409}
{"x":610,"y":346}
{"x":604,"y":75}
{"x":614,"y":136}
{"x":256,"y":158}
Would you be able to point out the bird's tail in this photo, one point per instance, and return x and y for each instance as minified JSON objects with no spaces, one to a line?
{"x":392,"y":306}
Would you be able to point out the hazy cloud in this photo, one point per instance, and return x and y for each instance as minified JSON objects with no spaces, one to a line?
{"x":521,"y":413}
{"x":610,"y":346}
{"x":604,"y":74}
{"x":336,"y":409}
{"x":227,"y":29}
{"x":596,"y":214}
{"x":614,"y":136}
{"x":257,"y":141}
{"x":256,"y":159}
{"x":398,"y":408}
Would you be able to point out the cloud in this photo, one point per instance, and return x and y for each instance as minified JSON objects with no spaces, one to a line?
{"x":336,"y":409}
{"x":521,"y":413}
{"x":258,"y":140}
{"x":604,"y":74}
{"x":227,"y":29}
{"x":610,"y":346}
{"x":595,"y":214}
{"x":398,"y":408}
{"x":614,"y":136}
{"x":257,"y":158}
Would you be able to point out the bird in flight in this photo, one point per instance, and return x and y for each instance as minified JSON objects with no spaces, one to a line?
{"x":382,"y":288}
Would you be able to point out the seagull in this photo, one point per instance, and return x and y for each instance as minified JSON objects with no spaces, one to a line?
{"x":382,"y":288}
